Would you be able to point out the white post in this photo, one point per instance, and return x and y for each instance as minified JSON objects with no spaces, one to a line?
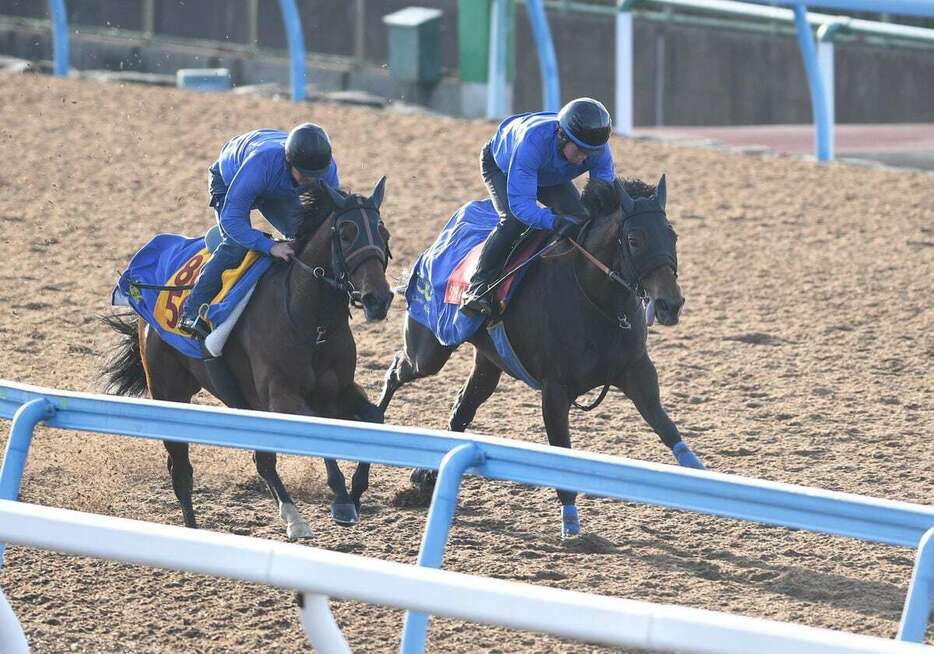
{"x":825,"y":64}
{"x":496,"y":70}
{"x":624,"y":72}
{"x":12,"y":638}
{"x":321,"y":630}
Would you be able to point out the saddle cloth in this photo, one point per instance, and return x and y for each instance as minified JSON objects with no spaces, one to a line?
{"x":171,"y":260}
{"x":442,"y":272}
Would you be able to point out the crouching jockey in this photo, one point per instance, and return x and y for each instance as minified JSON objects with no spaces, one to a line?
{"x":532,"y":158}
{"x":264,"y":169}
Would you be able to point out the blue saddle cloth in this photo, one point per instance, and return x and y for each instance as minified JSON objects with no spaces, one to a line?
{"x":429,"y":296}
{"x":428,"y":282}
{"x":172,"y":260}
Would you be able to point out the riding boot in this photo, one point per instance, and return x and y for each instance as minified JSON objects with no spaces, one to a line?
{"x":478,"y":299}
{"x":224,"y":383}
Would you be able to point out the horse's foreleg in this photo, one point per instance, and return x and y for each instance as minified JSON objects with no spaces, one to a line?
{"x":639,"y":382}
{"x":479,"y":387}
{"x":182,"y":479}
{"x":282,"y":401}
{"x":556,"y":403}
{"x":356,"y":405}
{"x":423,"y":356}
{"x":295,"y":524}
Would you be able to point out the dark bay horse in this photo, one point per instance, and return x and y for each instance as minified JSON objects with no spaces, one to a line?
{"x":291,"y":351}
{"x":573,"y":327}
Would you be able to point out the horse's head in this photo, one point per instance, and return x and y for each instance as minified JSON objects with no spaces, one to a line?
{"x":647,"y":243}
{"x":360,"y":249}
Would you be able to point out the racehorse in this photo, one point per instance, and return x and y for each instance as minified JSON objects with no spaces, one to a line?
{"x":291,"y":351}
{"x":575,"y":326}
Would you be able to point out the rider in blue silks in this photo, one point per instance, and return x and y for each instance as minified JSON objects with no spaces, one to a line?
{"x":532,"y":158}
{"x":264,"y":169}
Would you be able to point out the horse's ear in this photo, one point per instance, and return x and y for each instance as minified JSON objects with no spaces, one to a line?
{"x":625,"y":200}
{"x":376,"y":197}
{"x":661,"y":193}
{"x":336,"y":197}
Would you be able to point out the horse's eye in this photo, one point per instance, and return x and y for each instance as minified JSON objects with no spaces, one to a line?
{"x":348,"y":232}
{"x":383,"y":231}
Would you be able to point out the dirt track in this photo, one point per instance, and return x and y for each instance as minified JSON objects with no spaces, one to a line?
{"x":804,"y":356}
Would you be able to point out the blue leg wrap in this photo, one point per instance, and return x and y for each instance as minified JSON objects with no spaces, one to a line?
{"x":686,"y":457}
{"x":570,"y":524}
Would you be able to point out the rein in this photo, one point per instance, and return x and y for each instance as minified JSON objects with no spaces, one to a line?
{"x":340,"y":281}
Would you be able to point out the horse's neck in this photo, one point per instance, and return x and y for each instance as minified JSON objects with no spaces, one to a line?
{"x":600,"y":241}
{"x":305,"y":291}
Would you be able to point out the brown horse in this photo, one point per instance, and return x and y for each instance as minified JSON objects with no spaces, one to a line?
{"x":291,"y":351}
{"x":573,"y":326}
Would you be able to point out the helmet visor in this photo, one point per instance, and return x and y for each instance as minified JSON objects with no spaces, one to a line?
{"x":313,"y":172}
{"x":590,"y":139}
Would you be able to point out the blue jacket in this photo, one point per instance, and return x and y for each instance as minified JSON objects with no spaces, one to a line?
{"x":254,"y":170}
{"x":525,"y":147}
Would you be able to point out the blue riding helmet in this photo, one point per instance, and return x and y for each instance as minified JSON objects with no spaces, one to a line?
{"x":586,"y":122}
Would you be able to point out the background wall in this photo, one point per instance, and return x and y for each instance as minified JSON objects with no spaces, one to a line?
{"x":684,"y":75}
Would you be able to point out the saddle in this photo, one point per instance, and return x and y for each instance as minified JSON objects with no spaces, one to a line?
{"x":158,"y":280}
{"x":459,"y":279}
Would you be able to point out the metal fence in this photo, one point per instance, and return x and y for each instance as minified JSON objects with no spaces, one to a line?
{"x":453,"y":455}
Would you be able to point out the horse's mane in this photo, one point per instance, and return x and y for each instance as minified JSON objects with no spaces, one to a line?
{"x":316,"y":207}
{"x":601,"y":198}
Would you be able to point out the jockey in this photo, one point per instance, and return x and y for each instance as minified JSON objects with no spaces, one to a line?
{"x":533,"y":157}
{"x":264,"y":169}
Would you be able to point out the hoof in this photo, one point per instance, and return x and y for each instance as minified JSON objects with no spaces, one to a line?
{"x":298,"y":531}
{"x":344,"y":514}
{"x":424,"y":478}
{"x":570,"y":523}
{"x":686,"y":457}
{"x":295,"y":525}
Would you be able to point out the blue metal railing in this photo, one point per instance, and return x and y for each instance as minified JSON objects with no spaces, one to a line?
{"x":59,"y":37}
{"x":290,"y":17}
{"x":875,"y":520}
{"x":822,"y":117}
{"x":547,"y":61}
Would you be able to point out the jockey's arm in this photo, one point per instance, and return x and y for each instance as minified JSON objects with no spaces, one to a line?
{"x":249,"y":182}
{"x":602,"y":167}
{"x":522,"y":188}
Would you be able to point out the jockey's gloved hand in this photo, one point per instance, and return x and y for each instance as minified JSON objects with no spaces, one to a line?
{"x":567,"y":226}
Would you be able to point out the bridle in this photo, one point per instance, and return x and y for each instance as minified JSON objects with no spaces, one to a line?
{"x":367,"y":244}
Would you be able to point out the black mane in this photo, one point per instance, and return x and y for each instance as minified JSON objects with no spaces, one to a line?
{"x":316,"y":207}
{"x":601,"y":198}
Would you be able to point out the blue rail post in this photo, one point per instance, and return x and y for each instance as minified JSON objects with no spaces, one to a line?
{"x":547,"y":61}
{"x":440,"y":516}
{"x":920,"y":598}
{"x":818,"y":99}
{"x":293,"y":32}
{"x":59,"y":37}
{"x":17,"y":448}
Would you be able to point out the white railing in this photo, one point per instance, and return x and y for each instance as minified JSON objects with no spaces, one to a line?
{"x":322,"y":573}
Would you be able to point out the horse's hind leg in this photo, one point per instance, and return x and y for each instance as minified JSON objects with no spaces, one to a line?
{"x":423,"y":356}
{"x":167,"y":379}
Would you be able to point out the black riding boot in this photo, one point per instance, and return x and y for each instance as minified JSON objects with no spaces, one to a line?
{"x":490,"y":265}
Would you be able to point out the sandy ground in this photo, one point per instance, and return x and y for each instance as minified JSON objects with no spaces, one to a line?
{"x":804,"y":356}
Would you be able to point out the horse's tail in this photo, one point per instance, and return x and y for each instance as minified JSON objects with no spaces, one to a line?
{"x":123,"y":372}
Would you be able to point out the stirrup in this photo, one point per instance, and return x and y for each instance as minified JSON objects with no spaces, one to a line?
{"x":475,"y":306}
{"x":197,"y":327}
